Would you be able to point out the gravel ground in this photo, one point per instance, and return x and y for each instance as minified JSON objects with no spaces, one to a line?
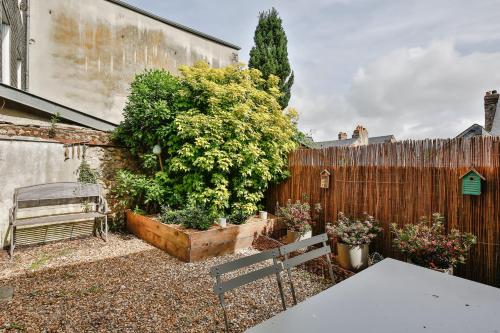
{"x":131,"y":287}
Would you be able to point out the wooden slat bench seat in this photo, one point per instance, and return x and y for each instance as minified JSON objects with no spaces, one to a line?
{"x":89,"y":196}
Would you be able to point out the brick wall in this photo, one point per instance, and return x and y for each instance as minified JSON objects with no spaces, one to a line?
{"x":11,"y":13}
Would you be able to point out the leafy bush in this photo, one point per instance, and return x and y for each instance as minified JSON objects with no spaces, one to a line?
{"x":222,"y":133}
{"x":194,"y":217}
{"x":354,"y":231}
{"x":238,"y":217}
{"x":426,"y":243}
{"x":138,"y":192}
{"x":298,"y":216}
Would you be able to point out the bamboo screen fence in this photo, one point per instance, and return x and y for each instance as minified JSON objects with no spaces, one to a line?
{"x":400,"y":182}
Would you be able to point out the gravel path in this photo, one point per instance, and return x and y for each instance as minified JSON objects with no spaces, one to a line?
{"x":144,"y":290}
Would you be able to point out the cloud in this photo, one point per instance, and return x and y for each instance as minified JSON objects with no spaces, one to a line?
{"x":422,"y":92}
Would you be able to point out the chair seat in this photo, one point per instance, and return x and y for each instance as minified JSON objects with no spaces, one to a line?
{"x":55,"y":219}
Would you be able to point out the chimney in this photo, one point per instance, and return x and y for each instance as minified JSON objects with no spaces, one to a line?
{"x":342,"y":136}
{"x":361,"y":135}
{"x":490,"y":107}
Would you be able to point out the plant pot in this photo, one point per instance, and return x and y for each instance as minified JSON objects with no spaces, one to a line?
{"x":352,"y":257}
{"x":222,"y":222}
{"x":294,"y":236}
{"x":263,"y":215}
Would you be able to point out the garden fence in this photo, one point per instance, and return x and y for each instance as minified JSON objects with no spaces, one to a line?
{"x":400,"y":182}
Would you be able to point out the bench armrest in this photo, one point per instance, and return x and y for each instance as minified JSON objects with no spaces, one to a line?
{"x":12,"y":214}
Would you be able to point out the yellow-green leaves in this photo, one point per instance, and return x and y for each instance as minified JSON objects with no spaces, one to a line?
{"x":223,"y":132}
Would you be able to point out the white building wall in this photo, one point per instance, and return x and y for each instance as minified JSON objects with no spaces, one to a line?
{"x":84,"y":54}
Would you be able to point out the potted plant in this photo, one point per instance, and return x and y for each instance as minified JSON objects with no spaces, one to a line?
{"x":298,"y":219}
{"x":353,"y":238}
{"x":426,"y":244}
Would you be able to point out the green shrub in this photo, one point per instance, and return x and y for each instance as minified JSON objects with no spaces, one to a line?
{"x":86,"y":174}
{"x":238,"y":217}
{"x":223,"y":135}
{"x":194,"y":217}
{"x":138,"y":192}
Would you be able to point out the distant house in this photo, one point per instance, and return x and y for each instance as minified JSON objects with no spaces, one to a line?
{"x":491,"y":118}
{"x":359,"y":138}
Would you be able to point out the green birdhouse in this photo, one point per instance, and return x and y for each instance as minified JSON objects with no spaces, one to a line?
{"x":471,"y":182}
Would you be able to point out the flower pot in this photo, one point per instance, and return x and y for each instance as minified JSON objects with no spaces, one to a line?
{"x":294,"y":236}
{"x":263,"y":215}
{"x":352,"y":257}
{"x":222,"y":222}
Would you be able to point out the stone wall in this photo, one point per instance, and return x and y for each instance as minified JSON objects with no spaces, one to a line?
{"x":26,"y":159}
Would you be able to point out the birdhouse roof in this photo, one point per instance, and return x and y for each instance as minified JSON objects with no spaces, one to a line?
{"x":325,"y":172}
{"x":474,"y":171}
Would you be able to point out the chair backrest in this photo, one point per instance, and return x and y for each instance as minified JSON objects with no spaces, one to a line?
{"x":221,"y":287}
{"x":300,"y":259}
{"x":52,"y":194}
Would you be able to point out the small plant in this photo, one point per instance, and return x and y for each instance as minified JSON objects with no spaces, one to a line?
{"x":298,"y":216}
{"x":86,"y":174}
{"x":193,"y":217}
{"x":238,"y":217}
{"x":54,"y":120}
{"x":354,"y":232}
{"x":426,"y":243}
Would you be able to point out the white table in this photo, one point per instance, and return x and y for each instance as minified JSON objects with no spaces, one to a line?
{"x":393,"y":296}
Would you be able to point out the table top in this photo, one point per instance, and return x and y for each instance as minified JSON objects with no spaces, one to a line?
{"x":394,"y":296}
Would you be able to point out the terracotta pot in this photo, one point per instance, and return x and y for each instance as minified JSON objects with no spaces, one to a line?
{"x":294,"y":236}
{"x":352,"y":257}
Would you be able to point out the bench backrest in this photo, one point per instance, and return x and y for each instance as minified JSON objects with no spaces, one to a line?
{"x":52,"y":194}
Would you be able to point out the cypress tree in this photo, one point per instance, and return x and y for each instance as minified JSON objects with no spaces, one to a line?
{"x":270,"y":54}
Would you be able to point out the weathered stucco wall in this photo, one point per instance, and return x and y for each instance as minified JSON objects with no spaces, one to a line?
{"x":84,"y":54}
{"x":28,"y":161}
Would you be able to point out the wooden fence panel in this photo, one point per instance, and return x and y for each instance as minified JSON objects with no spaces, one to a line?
{"x":400,"y":182}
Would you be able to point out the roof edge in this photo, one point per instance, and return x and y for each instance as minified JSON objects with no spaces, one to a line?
{"x":47,"y":106}
{"x":174,"y":24}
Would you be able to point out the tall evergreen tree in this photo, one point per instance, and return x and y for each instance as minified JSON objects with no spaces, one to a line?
{"x":270,"y":54}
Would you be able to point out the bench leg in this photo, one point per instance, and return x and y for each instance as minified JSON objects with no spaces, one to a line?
{"x":226,"y":323}
{"x":105,"y":228}
{"x":12,"y":240}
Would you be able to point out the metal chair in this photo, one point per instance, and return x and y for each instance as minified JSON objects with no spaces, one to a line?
{"x":221,"y":287}
{"x":289,"y":263}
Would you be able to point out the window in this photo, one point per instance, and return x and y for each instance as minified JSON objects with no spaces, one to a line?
{"x":5,"y":53}
{"x":19,"y":74}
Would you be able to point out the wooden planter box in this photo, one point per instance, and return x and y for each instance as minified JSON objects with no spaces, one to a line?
{"x":190,"y":246}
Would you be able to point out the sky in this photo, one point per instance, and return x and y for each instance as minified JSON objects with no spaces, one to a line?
{"x":414,"y":69}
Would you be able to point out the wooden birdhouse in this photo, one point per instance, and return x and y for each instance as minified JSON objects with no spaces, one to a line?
{"x":325,"y":179}
{"x":471,"y":182}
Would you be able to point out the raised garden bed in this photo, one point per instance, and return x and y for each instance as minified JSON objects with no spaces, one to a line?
{"x":193,"y":245}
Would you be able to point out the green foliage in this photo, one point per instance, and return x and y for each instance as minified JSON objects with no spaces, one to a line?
{"x":56,"y":118}
{"x":270,"y":53}
{"x":238,"y":217}
{"x":86,"y":174}
{"x":223,"y":134}
{"x":138,"y":192}
{"x":193,"y":217}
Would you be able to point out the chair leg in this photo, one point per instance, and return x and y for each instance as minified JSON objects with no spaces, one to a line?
{"x":292,"y":288}
{"x":226,"y":323}
{"x":329,"y":261}
{"x":282,"y":293}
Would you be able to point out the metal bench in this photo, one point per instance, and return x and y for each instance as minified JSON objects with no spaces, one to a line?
{"x":221,"y":287}
{"x":89,"y":196}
